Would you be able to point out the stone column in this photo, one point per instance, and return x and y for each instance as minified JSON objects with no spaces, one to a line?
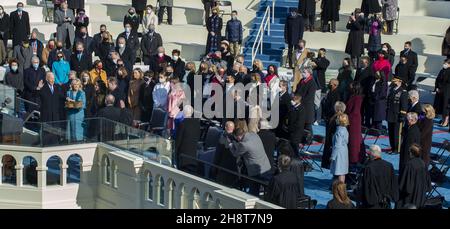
{"x":1,"y":170}
{"x":85,"y":167}
{"x":63,"y":174}
{"x":19,"y":175}
{"x":42,"y":176}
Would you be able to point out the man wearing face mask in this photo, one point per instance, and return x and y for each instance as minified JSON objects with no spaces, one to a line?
{"x":293,"y":33}
{"x":65,"y":31}
{"x":163,"y":5}
{"x":355,"y":41}
{"x":150,"y":43}
{"x":31,"y":78}
{"x":322,"y":64}
{"x":36,"y":45}
{"x":20,"y":22}
{"x":52,"y":56}
{"x":85,"y":39}
{"x":214,"y":27}
{"x":402,"y":71}
{"x":4,"y":28}
{"x":226,"y":54}
{"x":397,"y":106}
{"x":126,"y":54}
{"x":296,"y":122}
{"x":233,"y":33}
{"x":159,"y":60}
{"x":307,"y":89}
{"x":146,"y":96}
{"x":23,"y":54}
{"x":131,"y":38}
{"x":111,"y":63}
{"x":299,"y":57}
{"x":97,"y":39}
{"x":178,"y":65}
{"x":412,"y":62}
{"x":80,"y":59}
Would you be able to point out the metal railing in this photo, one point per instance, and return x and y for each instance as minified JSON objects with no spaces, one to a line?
{"x":268,"y":18}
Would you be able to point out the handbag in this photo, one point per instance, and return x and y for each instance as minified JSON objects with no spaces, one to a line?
{"x":74,"y":104}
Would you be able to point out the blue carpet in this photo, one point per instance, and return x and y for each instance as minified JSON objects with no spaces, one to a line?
{"x":317,"y":183}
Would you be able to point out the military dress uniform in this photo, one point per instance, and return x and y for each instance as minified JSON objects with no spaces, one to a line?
{"x":397,"y":105}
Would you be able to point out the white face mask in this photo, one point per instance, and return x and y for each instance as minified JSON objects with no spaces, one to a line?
{"x":162,"y":80}
{"x":293,"y":103}
{"x":160,"y":54}
{"x":149,"y":11}
{"x":175,"y":58}
{"x":445,"y":66}
{"x":385,"y":49}
{"x":121,"y":45}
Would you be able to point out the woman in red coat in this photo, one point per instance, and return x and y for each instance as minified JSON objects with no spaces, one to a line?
{"x":383,"y":64}
{"x":354,"y":130}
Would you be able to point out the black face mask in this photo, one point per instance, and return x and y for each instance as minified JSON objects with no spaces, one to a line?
{"x":59,"y":47}
{"x":329,"y":86}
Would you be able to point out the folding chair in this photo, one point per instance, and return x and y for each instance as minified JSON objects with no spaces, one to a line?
{"x":305,"y":157}
{"x":439,"y":169}
{"x":208,"y":147}
{"x":311,"y":155}
{"x":305,"y":202}
{"x":438,"y":156}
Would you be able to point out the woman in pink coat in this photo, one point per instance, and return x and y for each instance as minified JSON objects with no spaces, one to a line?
{"x":354,"y":130}
{"x":382,"y":64}
{"x":176,"y":98}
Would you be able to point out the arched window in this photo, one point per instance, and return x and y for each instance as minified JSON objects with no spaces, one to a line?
{"x":54,"y":171}
{"x":161,"y":191}
{"x":196,"y":199}
{"x":106,"y":170}
{"x":171,"y":194}
{"x":29,"y":171}
{"x":8,"y":169}
{"x":184,"y":197}
{"x":149,"y":188}
{"x":74,"y":168}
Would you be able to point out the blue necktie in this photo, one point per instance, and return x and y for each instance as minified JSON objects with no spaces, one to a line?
{"x":51,"y":89}
{"x":79,"y":57}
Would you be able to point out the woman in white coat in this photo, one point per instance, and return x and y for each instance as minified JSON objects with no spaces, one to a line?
{"x":149,"y":18}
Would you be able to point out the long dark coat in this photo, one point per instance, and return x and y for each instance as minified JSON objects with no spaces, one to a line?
{"x":293,"y":29}
{"x":19,"y":27}
{"x":283,"y":190}
{"x":414,"y":183}
{"x":446,"y":43}
{"x":442,"y":98}
{"x":355,"y":41}
{"x":307,"y":89}
{"x":296,"y":124}
{"x":51,"y":104}
{"x":31,"y":80}
{"x":354,"y":130}
{"x":322,"y":65}
{"x":411,"y":136}
{"x":75,"y":4}
{"x":187,"y":137}
{"x":370,"y":7}
{"x":330,"y":10}
{"x":214,"y":24}
{"x":139,"y":4}
{"x":426,"y":132}
{"x":149,"y":46}
{"x":225,"y":159}
{"x":378,"y":100}
{"x":307,"y":7}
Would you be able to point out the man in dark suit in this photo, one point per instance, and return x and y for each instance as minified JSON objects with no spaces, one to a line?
{"x":293,"y":32}
{"x":402,"y":71}
{"x":52,"y":98}
{"x":296,"y":122}
{"x":131,"y":38}
{"x":19,"y":25}
{"x":412,"y":62}
{"x":127,"y":55}
{"x":414,"y":104}
{"x":109,"y":113}
{"x":36,"y":45}
{"x":330,"y":99}
{"x":411,"y":136}
{"x":187,"y":137}
{"x":397,"y":106}
{"x":80,"y":60}
{"x":31,"y":78}
{"x":269,"y":141}
{"x":225,"y":159}
{"x":159,"y":60}
{"x":150,"y":43}
{"x":364,"y":73}
{"x":87,"y":41}
{"x":285,"y":104}
{"x":178,"y":64}
{"x":146,"y":98}
{"x":97,"y":39}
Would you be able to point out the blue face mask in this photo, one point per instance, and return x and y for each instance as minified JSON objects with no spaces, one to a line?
{"x":35,"y":66}
{"x":14,"y":68}
{"x":20,"y":9}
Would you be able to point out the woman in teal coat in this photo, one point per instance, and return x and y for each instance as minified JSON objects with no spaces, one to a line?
{"x":61,"y":69}
{"x":339,"y":156}
{"x":76,"y":115}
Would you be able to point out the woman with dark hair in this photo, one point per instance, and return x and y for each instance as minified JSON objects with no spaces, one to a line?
{"x":375,"y":28}
{"x":134,"y":92}
{"x":386,"y":47}
{"x":354,"y":115}
{"x":133,"y":19}
{"x":377,"y":98}
{"x":383,"y":64}
{"x":123,"y":81}
{"x":89,"y":91}
{"x":4,"y":26}
{"x":14,"y":77}
{"x":442,"y":89}
{"x":340,"y":198}
{"x":345,"y":78}
{"x":271,"y":78}
{"x":99,"y":97}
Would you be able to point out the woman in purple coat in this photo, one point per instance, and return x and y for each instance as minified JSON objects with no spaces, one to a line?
{"x":377,"y":93}
{"x":354,"y":130}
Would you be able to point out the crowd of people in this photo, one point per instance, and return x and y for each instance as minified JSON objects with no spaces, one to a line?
{"x":369,"y":91}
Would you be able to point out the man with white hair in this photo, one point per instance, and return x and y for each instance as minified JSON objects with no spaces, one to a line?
{"x":187,"y":136}
{"x":414,"y":104}
{"x":378,"y":184}
{"x":411,"y":136}
{"x":159,"y":60}
{"x":31,"y":78}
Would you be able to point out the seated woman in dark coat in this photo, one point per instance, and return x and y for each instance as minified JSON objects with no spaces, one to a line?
{"x":283,"y":189}
{"x":340,"y":198}
{"x":415,"y":180}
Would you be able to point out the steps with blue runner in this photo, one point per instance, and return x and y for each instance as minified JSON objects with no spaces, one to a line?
{"x":273,"y":44}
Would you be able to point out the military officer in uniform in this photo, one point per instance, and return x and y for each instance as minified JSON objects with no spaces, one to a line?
{"x":397,"y":106}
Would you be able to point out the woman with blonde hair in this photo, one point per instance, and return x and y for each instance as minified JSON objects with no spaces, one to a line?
{"x":339,"y":155}
{"x":340,"y":198}
{"x":133,"y":93}
{"x":75,"y":104}
{"x":257,"y":68}
{"x":149,"y":18}
{"x":426,"y":132}
{"x":339,"y":108}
